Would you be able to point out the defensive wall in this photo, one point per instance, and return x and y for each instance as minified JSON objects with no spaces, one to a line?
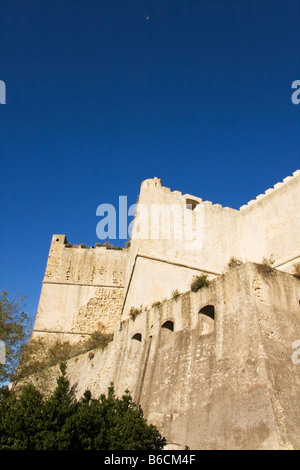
{"x":212,"y":369}
{"x":160,"y":260}
{"x":82,"y":291}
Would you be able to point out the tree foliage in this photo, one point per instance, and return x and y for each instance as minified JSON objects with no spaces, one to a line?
{"x":30,"y":420}
{"x":14,"y":333}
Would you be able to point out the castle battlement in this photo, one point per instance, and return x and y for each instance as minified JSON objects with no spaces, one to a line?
{"x":269,"y":191}
{"x":266,"y":227}
{"x":156,"y":184}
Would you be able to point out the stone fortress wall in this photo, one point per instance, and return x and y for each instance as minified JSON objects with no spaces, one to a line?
{"x":82,"y":291}
{"x":271,"y":224}
{"x":268,"y":226}
{"x":211,"y":369}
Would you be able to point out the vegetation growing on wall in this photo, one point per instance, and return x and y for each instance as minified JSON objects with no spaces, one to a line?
{"x":98,"y":340}
{"x":41,"y":354}
{"x":156,"y":304}
{"x":199,"y":282}
{"x":109,"y":246}
{"x":234,"y":263}
{"x":134,"y":312}
{"x":266,"y":266}
{"x":297,"y":270}
{"x":175,"y":294}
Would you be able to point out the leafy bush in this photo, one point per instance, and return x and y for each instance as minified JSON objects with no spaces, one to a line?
{"x":199,"y":282}
{"x":98,"y":340}
{"x":31,"y":420}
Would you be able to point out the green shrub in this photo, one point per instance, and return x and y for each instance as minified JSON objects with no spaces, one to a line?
{"x":199,"y":282}
{"x":98,"y":340}
{"x":33,"y":420}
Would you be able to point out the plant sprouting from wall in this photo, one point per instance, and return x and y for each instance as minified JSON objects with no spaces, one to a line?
{"x":234,"y":263}
{"x":297,"y":270}
{"x":268,"y":261}
{"x":156,"y":304}
{"x":199,"y":282}
{"x":175,"y":294}
{"x":41,"y":353}
{"x":134,"y":312}
{"x":98,"y":340}
{"x":266,"y":266}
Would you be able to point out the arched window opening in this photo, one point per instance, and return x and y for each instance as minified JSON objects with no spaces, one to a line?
{"x":169,"y":325}
{"x":207,"y":319}
{"x":137,"y":337}
{"x":191,"y":204}
{"x":208,"y":310}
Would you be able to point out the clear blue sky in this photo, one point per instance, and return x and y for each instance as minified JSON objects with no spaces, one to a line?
{"x":100,"y":97}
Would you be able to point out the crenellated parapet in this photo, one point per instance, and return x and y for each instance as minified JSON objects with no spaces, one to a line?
{"x":270,"y":191}
{"x":165,"y":258}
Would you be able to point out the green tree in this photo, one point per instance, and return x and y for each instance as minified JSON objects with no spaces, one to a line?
{"x":14,"y":333}
{"x":30,"y":420}
{"x":20,"y":418}
{"x":58,"y":408}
